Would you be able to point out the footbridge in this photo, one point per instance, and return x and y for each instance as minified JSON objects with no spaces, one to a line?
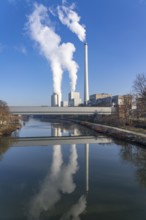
{"x":46,"y":110}
{"x":47,"y":141}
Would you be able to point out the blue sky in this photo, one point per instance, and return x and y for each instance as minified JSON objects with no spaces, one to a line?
{"x":116,"y":36}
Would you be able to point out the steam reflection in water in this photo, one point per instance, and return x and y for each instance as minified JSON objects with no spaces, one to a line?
{"x":43,"y":180}
{"x":59,"y":180}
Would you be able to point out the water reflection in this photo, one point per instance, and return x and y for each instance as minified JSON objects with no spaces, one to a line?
{"x":87,"y":166}
{"x":59,"y":180}
{"x":56,"y":178}
{"x":67,"y":129}
{"x":137,"y":156}
{"x":76,"y":210}
{"x":5,"y":143}
{"x":33,"y":128}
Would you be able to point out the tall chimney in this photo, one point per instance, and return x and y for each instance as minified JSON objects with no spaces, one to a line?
{"x":86,"y":89}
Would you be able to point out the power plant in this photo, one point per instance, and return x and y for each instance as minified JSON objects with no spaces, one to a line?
{"x":56,"y":100}
{"x":74,"y":97}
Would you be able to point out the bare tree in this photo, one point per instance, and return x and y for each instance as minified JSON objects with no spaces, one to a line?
{"x":4,"y":113}
{"x":123,"y":109}
{"x":139,"y":87}
{"x":127,"y":106}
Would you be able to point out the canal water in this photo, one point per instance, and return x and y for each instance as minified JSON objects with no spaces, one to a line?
{"x":61,"y":171}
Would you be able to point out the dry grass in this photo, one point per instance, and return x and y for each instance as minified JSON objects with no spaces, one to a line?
{"x":138,"y":130}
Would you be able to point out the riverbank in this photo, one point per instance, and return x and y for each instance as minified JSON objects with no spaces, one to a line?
{"x":118,"y":133}
{"x":8,"y":129}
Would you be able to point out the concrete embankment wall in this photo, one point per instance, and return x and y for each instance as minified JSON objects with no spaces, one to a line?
{"x":117,"y":133}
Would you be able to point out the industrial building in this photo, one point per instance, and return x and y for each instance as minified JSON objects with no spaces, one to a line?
{"x":101,"y":99}
{"x":74,"y":99}
{"x":64,"y":103}
{"x":123,"y":105}
{"x":104,"y":102}
{"x":119,"y":100}
{"x":55,"y":100}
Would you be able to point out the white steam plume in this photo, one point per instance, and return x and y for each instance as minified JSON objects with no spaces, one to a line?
{"x":71,"y":19}
{"x":60,"y":56}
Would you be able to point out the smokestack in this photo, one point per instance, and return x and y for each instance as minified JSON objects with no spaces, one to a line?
{"x":86,"y":89}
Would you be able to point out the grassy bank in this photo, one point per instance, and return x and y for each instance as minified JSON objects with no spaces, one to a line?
{"x":118,"y":133}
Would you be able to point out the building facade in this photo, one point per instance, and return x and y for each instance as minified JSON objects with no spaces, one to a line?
{"x":64,"y":104}
{"x":123,"y":104}
{"x":101,"y":99}
{"x":74,"y":99}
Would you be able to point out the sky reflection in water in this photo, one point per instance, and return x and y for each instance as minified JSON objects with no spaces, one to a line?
{"x":78,"y":181}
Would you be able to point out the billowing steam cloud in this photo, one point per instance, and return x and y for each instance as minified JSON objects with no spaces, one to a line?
{"x":71,"y":19}
{"x":60,"y":56}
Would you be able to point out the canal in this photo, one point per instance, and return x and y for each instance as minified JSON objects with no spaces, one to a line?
{"x":62,"y":171}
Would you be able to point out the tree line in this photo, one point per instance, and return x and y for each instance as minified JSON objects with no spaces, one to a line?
{"x":139,"y":93}
{"x":4,"y":113}
{"x":8,"y":122}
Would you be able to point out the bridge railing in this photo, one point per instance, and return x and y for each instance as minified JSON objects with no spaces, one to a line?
{"x":59,"y":110}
